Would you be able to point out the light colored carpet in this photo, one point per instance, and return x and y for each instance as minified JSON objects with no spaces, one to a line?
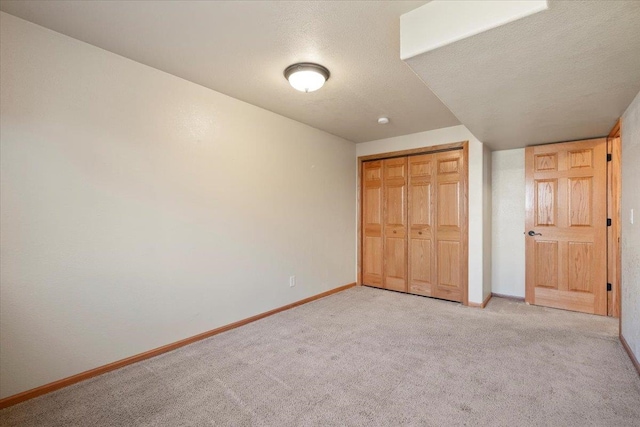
{"x":367,"y":357}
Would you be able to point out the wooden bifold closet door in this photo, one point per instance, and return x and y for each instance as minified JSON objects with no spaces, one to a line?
{"x":394,"y":225}
{"x":422,"y":266}
{"x":412,"y":215}
{"x":372,"y":257}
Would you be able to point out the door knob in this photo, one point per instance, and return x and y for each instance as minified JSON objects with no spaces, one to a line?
{"x":533,"y":233}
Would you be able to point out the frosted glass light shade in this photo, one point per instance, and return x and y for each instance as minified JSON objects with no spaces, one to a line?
{"x":306,"y":77}
{"x":306,"y":81}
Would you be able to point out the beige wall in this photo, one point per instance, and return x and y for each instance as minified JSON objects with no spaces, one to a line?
{"x":138,"y":209}
{"x":631,"y":232}
{"x":477,"y":183}
{"x":508,"y":187}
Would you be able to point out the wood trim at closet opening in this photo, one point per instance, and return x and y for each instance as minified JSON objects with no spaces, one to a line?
{"x":464,"y":226}
{"x":413,"y":152}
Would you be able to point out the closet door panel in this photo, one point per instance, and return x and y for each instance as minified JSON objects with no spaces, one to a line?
{"x":449,"y":205}
{"x":373,"y":256}
{"x":420,"y":225}
{"x":420,"y":266}
{"x":449,"y":284}
{"x":394,"y":205}
{"x":449,"y":218}
{"x":395,"y":224}
{"x":372,"y":240}
{"x":395,"y":270}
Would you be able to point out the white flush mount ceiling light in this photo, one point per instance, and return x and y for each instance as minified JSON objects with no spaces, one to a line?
{"x":306,"y":76}
{"x":383,"y":120}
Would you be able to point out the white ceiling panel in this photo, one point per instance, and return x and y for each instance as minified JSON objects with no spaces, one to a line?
{"x":242,"y":48}
{"x":563,"y":74}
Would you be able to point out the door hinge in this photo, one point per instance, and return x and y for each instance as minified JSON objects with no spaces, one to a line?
{"x":608,"y":222}
{"x":608,"y":286}
{"x":609,"y":157}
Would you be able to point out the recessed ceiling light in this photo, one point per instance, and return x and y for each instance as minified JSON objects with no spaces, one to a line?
{"x":306,"y":76}
{"x":383,"y":120}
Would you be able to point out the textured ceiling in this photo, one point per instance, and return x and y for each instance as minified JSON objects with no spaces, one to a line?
{"x":563,"y":74}
{"x":242,"y":48}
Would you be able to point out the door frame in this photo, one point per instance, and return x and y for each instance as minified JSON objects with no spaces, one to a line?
{"x":462,"y":145}
{"x":614,"y":245}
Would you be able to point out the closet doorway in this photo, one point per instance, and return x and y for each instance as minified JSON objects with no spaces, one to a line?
{"x":413,"y":223}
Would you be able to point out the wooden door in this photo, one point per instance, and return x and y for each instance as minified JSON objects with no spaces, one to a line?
{"x":394,"y":227}
{"x":420,"y":225}
{"x":450,"y":253}
{"x":566,"y":225}
{"x":372,"y":244}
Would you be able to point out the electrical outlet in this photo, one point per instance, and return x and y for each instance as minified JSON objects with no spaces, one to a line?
{"x":292,"y":281}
